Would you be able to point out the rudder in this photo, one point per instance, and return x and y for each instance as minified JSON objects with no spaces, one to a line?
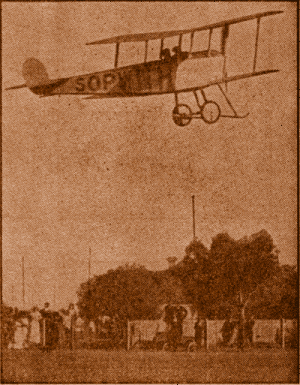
{"x":34,"y":73}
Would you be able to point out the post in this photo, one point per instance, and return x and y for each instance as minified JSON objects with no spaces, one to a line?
{"x":44,"y":332}
{"x":128,"y":335}
{"x":194,"y":225}
{"x":205,"y":335}
{"x":72,"y":333}
{"x":282,"y":324}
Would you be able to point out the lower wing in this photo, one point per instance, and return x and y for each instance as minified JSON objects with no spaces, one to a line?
{"x":224,"y":80}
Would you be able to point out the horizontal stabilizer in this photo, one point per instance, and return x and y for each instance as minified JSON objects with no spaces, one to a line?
{"x":105,"y":96}
{"x":16,"y":87}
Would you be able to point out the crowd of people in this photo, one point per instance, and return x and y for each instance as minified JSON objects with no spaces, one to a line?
{"x":40,"y":327}
{"x":48,"y":329}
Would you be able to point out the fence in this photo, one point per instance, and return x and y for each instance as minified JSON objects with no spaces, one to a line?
{"x":152,"y":334}
{"x":279,"y":332}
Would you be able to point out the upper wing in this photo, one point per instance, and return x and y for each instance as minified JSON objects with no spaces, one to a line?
{"x":161,"y":35}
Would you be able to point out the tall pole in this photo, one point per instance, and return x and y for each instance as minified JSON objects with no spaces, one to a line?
{"x":194,"y":225}
{"x":23,"y":280}
{"x":54,"y":295}
{"x":90,"y":254}
{"x":13,"y":294}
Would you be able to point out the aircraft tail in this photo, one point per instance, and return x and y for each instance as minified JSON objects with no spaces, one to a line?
{"x":34,"y":73}
{"x":35,"y":76}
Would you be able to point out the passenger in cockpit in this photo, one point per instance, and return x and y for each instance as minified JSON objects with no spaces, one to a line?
{"x":166,"y":55}
{"x":179,"y":55}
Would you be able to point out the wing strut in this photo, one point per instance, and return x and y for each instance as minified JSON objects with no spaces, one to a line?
{"x":180,"y":41}
{"x":192,"y":39}
{"x":117,"y":55}
{"x":161,"y":46}
{"x":224,"y":38}
{"x":256,"y":44}
{"x":225,"y":34}
{"x":231,"y":106}
{"x":197,"y":99}
{"x":146,"y":50}
{"x":209,"y":39}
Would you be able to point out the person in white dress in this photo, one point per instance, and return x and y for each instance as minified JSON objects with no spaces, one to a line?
{"x":21,"y":333}
{"x":35,"y":334}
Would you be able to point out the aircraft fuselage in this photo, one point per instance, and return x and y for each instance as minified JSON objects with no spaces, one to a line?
{"x":145,"y":78}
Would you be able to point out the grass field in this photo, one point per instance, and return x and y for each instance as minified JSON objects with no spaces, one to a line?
{"x":99,"y":366}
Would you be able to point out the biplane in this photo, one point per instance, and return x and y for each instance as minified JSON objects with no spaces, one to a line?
{"x":155,"y":77}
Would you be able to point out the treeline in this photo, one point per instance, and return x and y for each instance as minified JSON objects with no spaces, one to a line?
{"x":239,"y":277}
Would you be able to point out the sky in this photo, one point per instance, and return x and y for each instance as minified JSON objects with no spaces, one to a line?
{"x":116,"y":176}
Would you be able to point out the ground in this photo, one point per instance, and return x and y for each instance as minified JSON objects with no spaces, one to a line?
{"x":100,"y":366}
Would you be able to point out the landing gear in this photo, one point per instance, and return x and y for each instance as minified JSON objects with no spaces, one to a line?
{"x":182,"y":115}
{"x":209,"y":111}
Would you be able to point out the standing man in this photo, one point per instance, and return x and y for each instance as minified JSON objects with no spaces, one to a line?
{"x":45,"y":323}
{"x":181,"y":313}
{"x":227,"y":330}
{"x":199,"y":331}
{"x":69,"y":319}
{"x":171,"y":325}
{"x":67,"y":328}
{"x":73,"y":316}
{"x":46,"y":309}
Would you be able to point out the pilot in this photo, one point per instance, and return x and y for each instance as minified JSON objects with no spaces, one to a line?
{"x":178,"y":54}
{"x":165,"y":54}
{"x":176,"y":50}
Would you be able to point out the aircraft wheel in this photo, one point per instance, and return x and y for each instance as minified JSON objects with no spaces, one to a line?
{"x":166,"y":347}
{"x":192,"y":347}
{"x":210,"y":112}
{"x":182,"y":115}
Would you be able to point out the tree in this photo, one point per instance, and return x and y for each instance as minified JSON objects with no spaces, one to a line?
{"x":244,"y":265}
{"x":289,"y":305}
{"x":230,"y":274}
{"x":196,"y":274}
{"x":132,"y":292}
